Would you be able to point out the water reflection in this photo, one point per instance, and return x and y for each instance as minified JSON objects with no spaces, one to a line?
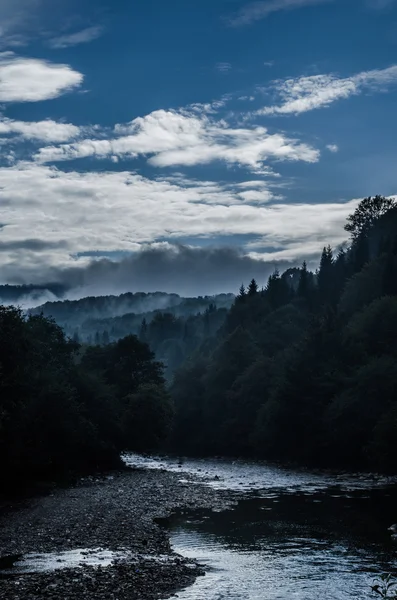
{"x":295,"y":534}
{"x":296,"y":548}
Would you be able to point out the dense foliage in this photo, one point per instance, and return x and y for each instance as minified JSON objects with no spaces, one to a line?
{"x":173,"y":326}
{"x":305,"y":370}
{"x":64,"y":409}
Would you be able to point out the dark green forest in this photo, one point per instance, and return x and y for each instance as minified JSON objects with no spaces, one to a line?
{"x":65,"y":409}
{"x":305,"y":370}
{"x":301,"y":370}
{"x":173,"y":326}
{"x":114,"y":317}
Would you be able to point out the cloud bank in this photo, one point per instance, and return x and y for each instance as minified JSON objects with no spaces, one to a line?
{"x":169,"y":268}
{"x":76,"y":214}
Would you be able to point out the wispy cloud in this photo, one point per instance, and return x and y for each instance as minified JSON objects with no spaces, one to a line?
{"x":17,"y":17}
{"x":303,"y":94}
{"x":223,"y":67}
{"x":381,"y":4}
{"x":255,"y":11}
{"x":79,"y":37}
{"x":171,"y":138}
{"x":268,"y":63}
{"x":57,"y":23}
{"x":31,"y":79}
{"x":333,"y":148}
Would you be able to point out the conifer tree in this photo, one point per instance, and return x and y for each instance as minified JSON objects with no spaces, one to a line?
{"x":252,"y":288}
{"x":325,"y":276}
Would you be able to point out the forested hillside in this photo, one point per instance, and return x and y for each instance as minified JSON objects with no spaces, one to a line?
{"x":66,"y":409}
{"x":95,"y":314}
{"x":305,"y":370}
{"x":173,"y":326}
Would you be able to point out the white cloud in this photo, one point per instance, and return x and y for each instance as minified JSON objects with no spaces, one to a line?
{"x":223,"y":67}
{"x":256,"y":11}
{"x":31,"y":79}
{"x":333,"y":147}
{"x":256,"y":196}
{"x":172,"y":138}
{"x":47,"y":130}
{"x":79,"y":37}
{"x":269,"y":63}
{"x":303,"y":94}
{"x":205,"y":108}
{"x":104,"y":211}
{"x":255,"y":183}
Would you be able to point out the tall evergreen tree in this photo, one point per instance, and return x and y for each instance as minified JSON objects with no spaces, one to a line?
{"x":304,"y":285}
{"x":325,"y":277}
{"x":241,"y":293}
{"x":278,"y":292}
{"x":252,"y":288}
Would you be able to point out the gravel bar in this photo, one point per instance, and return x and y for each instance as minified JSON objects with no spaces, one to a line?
{"x":116,"y":513}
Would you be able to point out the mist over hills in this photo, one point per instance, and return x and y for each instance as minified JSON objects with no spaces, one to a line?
{"x":30,"y":295}
{"x":173,"y":326}
{"x":184,"y":270}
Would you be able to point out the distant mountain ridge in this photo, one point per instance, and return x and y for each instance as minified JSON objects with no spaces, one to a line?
{"x":99,"y":313}
{"x":105,"y":307}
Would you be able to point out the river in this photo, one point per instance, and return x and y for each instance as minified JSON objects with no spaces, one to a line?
{"x":291,"y":534}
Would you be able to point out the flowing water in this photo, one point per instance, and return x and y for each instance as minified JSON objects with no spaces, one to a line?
{"x":292,"y":534}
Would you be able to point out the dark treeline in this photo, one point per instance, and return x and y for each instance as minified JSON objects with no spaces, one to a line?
{"x":304,"y":370}
{"x":66,"y":409}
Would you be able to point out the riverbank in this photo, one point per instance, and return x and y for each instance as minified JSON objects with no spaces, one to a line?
{"x":115,"y":513}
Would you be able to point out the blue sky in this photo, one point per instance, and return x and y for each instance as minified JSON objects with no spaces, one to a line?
{"x":132,"y":126}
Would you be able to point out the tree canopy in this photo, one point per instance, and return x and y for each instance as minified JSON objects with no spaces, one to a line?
{"x":304,"y":370}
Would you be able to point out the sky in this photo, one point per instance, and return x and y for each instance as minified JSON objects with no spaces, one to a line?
{"x":182,"y":145}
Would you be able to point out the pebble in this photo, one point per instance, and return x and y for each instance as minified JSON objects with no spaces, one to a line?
{"x":112,"y":512}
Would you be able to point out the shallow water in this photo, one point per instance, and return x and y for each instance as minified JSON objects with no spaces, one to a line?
{"x":293,"y":534}
{"x":35,"y":562}
{"x":246,"y":476}
{"x":44,"y":562}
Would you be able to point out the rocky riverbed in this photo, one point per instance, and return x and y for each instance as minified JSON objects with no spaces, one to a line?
{"x":113,"y":518}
